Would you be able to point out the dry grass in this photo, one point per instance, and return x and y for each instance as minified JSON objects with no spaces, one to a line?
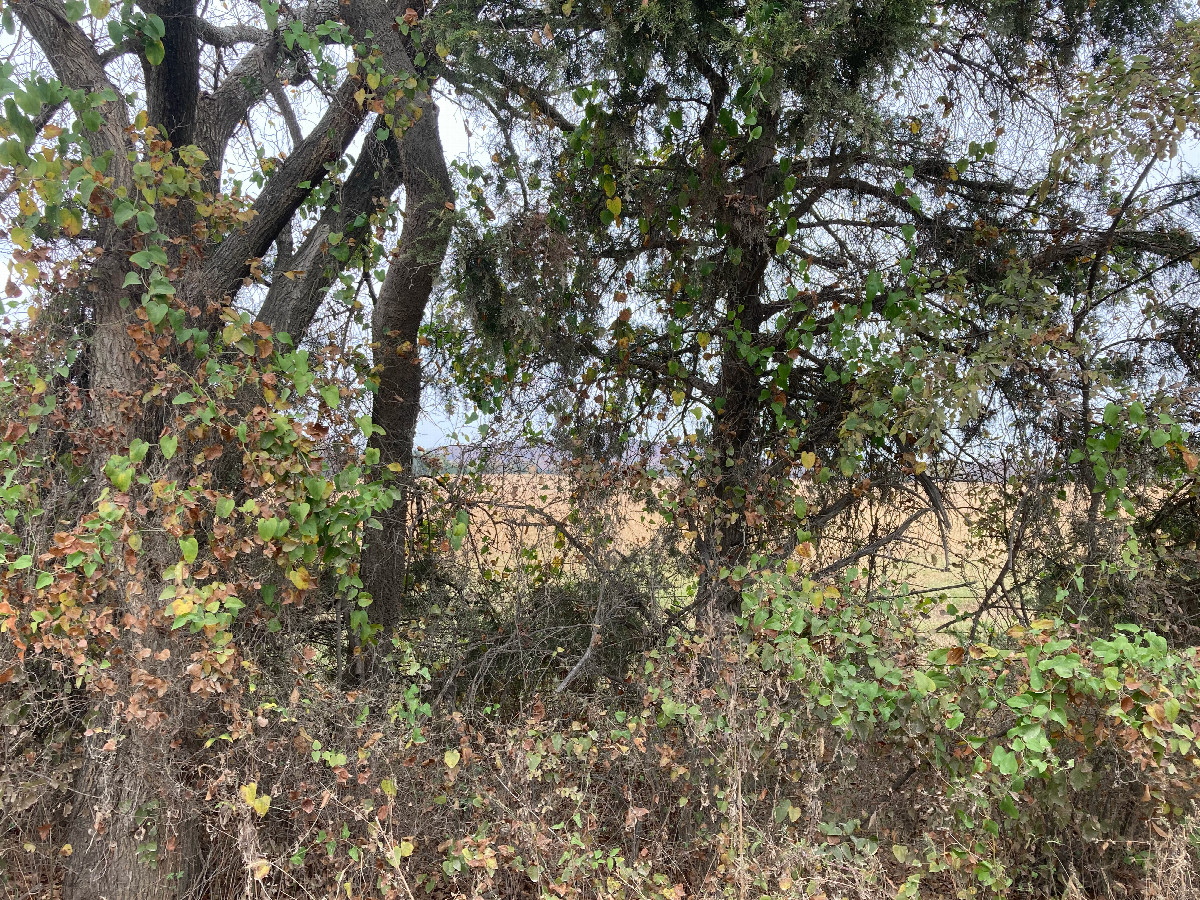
{"x":516,"y":513}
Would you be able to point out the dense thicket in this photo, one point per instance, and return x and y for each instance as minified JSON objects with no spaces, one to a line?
{"x":827,"y":526}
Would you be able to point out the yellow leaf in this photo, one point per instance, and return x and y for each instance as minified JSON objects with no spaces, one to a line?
{"x":452,"y":757}
{"x":808,"y":459}
{"x":373,"y":80}
{"x":182,"y":607}
{"x":299,"y":577}
{"x":262,"y":804}
{"x":249,"y":792}
{"x":406,"y":847}
{"x":260,"y":869}
{"x":71,"y":222}
{"x":389,"y":788}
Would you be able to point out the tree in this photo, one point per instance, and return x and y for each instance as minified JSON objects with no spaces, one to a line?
{"x":771,"y":254}
{"x":161,"y":251}
{"x":799,"y":242}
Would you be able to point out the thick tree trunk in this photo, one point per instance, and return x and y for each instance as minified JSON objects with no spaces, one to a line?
{"x":129,"y":837}
{"x":397,"y":317}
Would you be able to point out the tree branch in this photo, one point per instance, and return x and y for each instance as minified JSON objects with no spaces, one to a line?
{"x":73,"y":57}
{"x":291,"y":305}
{"x":231,"y":35}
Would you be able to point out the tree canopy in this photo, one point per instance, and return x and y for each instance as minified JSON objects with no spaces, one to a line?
{"x":826,"y":523}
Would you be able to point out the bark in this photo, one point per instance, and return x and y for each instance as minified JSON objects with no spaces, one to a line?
{"x":173,"y":86}
{"x":304,"y":169}
{"x":290,"y":305}
{"x":735,"y":451}
{"x":125,"y":816}
{"x":397,"y":316}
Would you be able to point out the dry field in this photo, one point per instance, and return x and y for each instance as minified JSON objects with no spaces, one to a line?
{"x":522,"y":513}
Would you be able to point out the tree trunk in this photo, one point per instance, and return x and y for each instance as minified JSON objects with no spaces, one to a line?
{"x":734,"y":455}
{"x":397,"y":317}
{"x":128,"y":835}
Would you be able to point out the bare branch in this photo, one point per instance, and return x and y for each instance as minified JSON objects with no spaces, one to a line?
{"x":279,"y":95}
{"x":231,"y":35}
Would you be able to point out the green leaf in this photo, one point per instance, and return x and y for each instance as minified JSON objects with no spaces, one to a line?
{"x":924,"y":683}
{"x":44,"y":579}
{"x":156,"y":311}
{"x":781,"y":246}
{"x":23,"y":562}
{"x":224,"y":507}
{"x":154,"y":28}
{"x":155,"y":52}
{"x":168,"y":444}
{"x":1171,"y":709}
{"x":123,"y":211}
{"x":99,"y":8}
{"x":331,"y":395}
{"x":151,"y":256}
{"x":1004,"y":760}
{"x":137,"y":450}
{"x":181,"y":399}
{"x":189,"y":548}
{"x":266,"y":529}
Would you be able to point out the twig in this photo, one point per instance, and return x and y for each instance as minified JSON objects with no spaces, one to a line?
{"x":592,"y":642}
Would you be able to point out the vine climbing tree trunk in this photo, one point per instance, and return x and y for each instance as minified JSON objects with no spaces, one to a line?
{"x":399,"y":310}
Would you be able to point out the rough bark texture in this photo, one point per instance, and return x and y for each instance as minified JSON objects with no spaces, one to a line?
{"x":291,"y":305}
{"x":173,"y":88}
{"x":129,"y":840}
{"x":397,"y":316}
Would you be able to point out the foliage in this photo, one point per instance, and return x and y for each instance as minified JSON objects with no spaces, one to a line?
{"x":779,"y":299}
